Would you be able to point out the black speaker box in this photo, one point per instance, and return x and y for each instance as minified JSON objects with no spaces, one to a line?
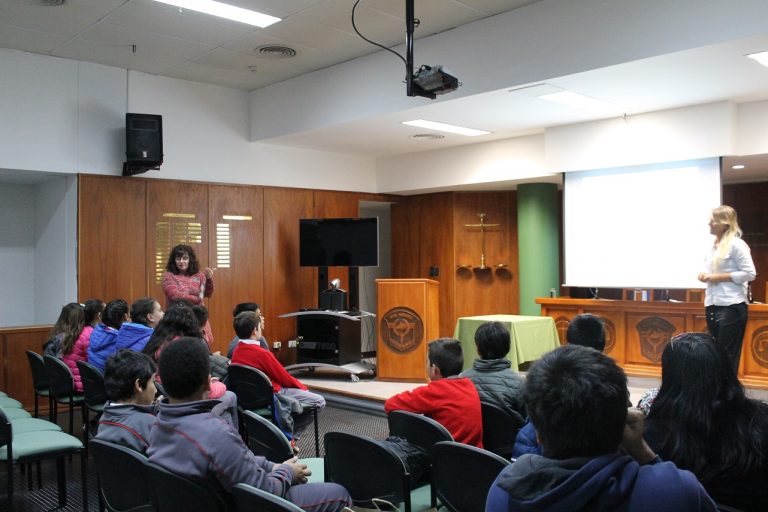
{"x":143,"y":143}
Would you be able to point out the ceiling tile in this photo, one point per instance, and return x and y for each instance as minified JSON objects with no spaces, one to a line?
{"x":306,"y":57}
{"x":29,"y":40}
{"x":171,"y":21}
{"x":66,"y":20}
{"x":375,"y":25}
{"x":279,"y":8}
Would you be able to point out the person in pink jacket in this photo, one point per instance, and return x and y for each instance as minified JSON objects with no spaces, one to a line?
{"x":183,"y":279}
{"x":73,"y":329}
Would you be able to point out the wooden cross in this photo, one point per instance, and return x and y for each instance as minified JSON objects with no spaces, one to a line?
{"x":483,"y":226}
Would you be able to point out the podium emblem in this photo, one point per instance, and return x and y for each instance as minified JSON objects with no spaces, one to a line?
{"x":655,"y":332}
{"x":760,"y":346}
{"x":401,"y":329}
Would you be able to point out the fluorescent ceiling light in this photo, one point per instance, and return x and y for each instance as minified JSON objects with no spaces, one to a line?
{"x":221,"y":10}
{"x":580,"y":101}
{"x":761,"y":57}
{"x":449,"y":128}
{"x":737,"y":167}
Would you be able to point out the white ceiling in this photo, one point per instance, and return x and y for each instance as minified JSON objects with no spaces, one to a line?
{"x":192,"y":46}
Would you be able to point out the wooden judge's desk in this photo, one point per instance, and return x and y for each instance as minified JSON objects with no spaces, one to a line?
{"x":636,"y":332}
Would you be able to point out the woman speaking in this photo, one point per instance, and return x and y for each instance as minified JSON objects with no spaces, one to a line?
{"x":729,"y":268}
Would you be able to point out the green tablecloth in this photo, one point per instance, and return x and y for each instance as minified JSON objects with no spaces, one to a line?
{"x":531,"y":336}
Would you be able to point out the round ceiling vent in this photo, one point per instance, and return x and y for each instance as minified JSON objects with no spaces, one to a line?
{"x":51,"y":3}
{"x":427,"y":136}
{"x":273,"y":51}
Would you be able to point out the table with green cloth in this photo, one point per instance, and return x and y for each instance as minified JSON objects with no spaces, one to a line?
{"x":530,"y":336}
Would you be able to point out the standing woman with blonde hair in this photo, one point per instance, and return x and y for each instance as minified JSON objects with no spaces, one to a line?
{"x":728,"y":269}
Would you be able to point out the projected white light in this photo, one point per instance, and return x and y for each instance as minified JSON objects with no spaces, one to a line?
{"x":223,"y":10}
{"x":737,"y":167}
{"x":448,"y":128}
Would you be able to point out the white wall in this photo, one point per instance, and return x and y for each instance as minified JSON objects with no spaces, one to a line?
{"x":59,"y":115}
{"x":752,"y":128}
{"x":489,"y":164}
{"x":17,"y":236}
{"x":55,"y":247}
{"x":688,"y":133}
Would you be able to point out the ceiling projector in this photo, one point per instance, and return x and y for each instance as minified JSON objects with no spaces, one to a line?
{"x":430,"y":81}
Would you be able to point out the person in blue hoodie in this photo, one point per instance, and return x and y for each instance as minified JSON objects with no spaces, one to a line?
{"x":146,"y":313}
{"x":103,"y":339}
{"x":593,"y":457}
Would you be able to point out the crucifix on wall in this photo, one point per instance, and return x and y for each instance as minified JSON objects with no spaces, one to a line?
{"x":482,"y":226}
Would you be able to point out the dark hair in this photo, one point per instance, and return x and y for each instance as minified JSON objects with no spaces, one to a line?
{"x":576,"y":399}
{"x":140,"y":309}
{"x":114,"y":313}
{"x":701,"y":419}
{"x":586,"y":330}
{"x":178,"y":321}
{"x":492,"y":340}
{"x":121,"y":371}
{"x":245,"y":323}
{"x":201,"y":313}
{"x":92,"y":308}
{"x":70,"y":323}
{"x":194,"y":266}
{"x":184,"y":367}
{"x":446,"y":354}
{"x":244,"y":306}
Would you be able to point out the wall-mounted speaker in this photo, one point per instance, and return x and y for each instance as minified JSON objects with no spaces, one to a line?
{"x":143,"y":143}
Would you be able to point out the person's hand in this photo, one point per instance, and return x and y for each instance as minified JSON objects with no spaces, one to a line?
{"x":632,"y":441}
{"x":300,"y":471}
{"x":217,"y":353}
{"x":208,"y":271}
{"x":703,"y":277}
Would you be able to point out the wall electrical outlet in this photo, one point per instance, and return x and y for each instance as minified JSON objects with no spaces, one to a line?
{"x":277,"y":345}
{"x":292,"y":344}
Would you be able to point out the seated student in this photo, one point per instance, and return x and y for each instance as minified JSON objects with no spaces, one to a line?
{"x":246,"y":306}
{"x":189,"y":440}
{"x":585,"y":330}
{"x":146,"y":313}
{"x":248,"y":352}
{"x":703,"y":421}
{"x":576,"y":398}
{"x":129,"y":414}
{"x":103,"y":342}
{"x":491,"y":374}
{"x":449,"y":399}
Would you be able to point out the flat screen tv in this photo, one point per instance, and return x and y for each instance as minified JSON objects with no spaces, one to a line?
{"x":339,"y":242}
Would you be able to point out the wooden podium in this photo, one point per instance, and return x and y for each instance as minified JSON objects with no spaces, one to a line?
{"x":408,"y":314}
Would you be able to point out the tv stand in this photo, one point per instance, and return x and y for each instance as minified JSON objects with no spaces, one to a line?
{"x":329,"y":339}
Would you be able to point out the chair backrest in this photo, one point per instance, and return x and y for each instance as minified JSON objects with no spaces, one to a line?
{"x":252,"y":387}
{"x":500,"y":427}
{"x":123,"y":477}
{"x":60,"y":380}
{"x":174,"y":493}
{"x":265,"y":439}
{"x":39,"y":374}
{"x":6,"y":432}
{"x":366,"y":469}
{"x":463,"y":475}
{"x":417,"y":429}
{"x":93,"y":384}
{"x":251,"y":499}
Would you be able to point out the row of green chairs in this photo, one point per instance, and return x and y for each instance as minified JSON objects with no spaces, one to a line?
{"x":25,"y":440}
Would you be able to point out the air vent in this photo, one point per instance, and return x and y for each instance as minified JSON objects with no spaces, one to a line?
{"x":51,"y":3}
{"x":272,"y":51}
{"x":427,"y":136}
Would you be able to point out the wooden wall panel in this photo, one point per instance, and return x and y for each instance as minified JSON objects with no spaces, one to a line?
{"x":16,"y":375}
{"x":236,"y":249}
{"x":287,"y":286}
{"x":177,"y":212}
{"x":436,"y":250}
{"x":112,"y":245}
{"x":492,"y":291}
{"x":405,"y":238}
{"x":749,"y":201}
